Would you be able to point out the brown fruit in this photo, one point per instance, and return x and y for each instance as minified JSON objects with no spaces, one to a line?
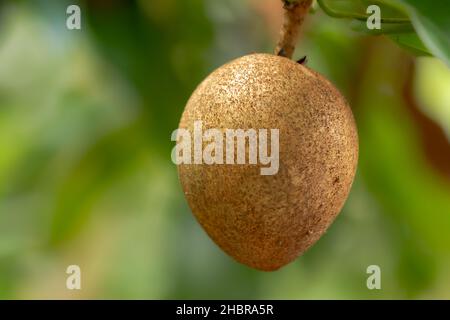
{"x":266,"y":221}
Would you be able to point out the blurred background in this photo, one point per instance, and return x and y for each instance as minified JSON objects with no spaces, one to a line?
{"x":86,"y":177}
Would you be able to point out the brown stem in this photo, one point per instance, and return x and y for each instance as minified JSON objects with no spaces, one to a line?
{"x":294,"y":14}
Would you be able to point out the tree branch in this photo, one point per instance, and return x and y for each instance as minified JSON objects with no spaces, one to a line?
{"x":294,"y":14}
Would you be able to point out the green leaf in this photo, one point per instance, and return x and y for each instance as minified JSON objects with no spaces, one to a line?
{"x":357,"y":9}
{"x":412,"y":43}
{"x":430,"y":19}
{"x":386,"y":28}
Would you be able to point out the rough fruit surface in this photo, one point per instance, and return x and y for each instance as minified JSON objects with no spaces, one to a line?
{"x":262,"y":221}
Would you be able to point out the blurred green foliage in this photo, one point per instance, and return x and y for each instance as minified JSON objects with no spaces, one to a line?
{"x":86,"y":176}
{"x":420,"y":26}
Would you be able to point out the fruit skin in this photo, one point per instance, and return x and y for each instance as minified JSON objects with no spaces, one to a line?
{"x":262,"y":221}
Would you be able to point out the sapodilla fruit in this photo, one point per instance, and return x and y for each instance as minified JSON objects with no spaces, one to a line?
{"x":266,"y":221}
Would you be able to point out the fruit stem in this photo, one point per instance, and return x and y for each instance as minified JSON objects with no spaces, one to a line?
{"x":294,"y":14}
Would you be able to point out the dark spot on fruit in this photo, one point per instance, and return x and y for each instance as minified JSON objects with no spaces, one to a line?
{"x":282,"y":52}
{"x":302,"y":60}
